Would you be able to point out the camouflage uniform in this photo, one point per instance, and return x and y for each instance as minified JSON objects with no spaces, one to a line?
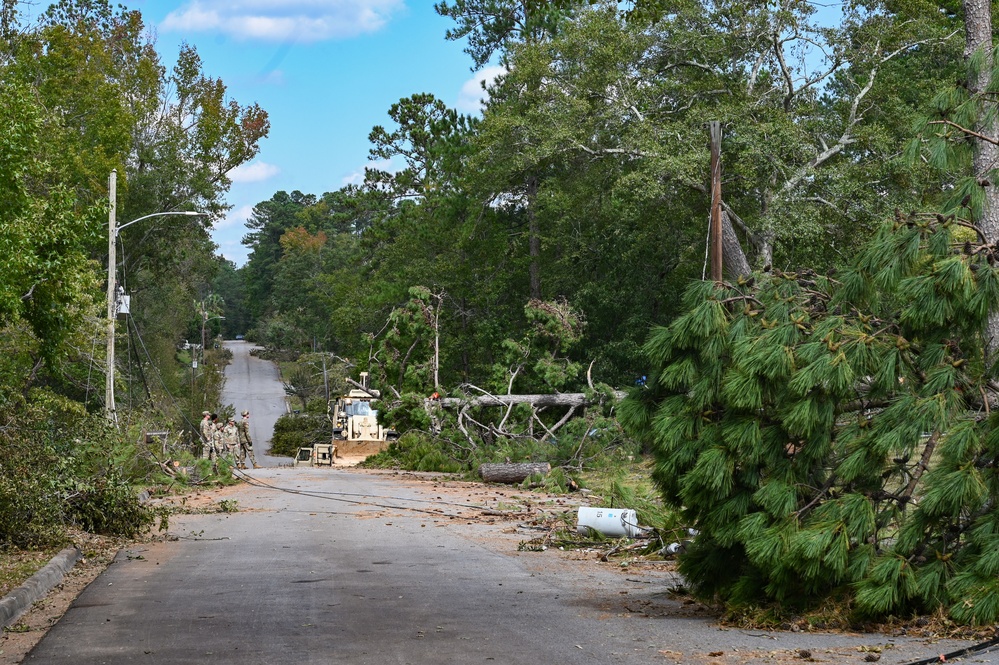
{"x":207,"y":429}
{"x":245,"y":442}
{"x":218,"y":449}
{"x":230,"y":441}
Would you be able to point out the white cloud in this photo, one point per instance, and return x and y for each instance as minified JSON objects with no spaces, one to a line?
{"x":235,"y":251}
{"x":253,"y":172}
{"x":472,"y":95}
{"x":235,"y":217}
{"x":357,"y":177}
{"x":282,"y":20}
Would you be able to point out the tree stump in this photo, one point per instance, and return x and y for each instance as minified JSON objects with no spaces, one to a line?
{"x":512,"y":473}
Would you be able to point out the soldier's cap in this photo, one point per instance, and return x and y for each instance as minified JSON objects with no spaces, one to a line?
{"x":245,"y":413}
{"x":206,"y":413}
{"x":232,"y":419}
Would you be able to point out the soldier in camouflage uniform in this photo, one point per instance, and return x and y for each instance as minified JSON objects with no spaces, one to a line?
{"x":230,"y":440}
{"x":207,"y":430}
{"x":218,"y":449}
{"x":245,"y":442}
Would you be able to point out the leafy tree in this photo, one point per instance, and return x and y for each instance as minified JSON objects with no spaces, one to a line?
{"x":491,"y":26}
{"x":960,"y":136}
{"x":173,"y":139}
{"x":294,"y":294}
{"x":269,"y":221}
{"x":428,"y":137}
{"x":229,"y":285}
{"x":538,"y":362}
{"x":406,"y":354}
{"x":47,"y":277}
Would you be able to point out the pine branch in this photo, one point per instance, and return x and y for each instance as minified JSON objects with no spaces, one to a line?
{"x":917,"y":473}
{"x":804,"y":510}
{"x":965,"y":130}
{"x":733,"y":299}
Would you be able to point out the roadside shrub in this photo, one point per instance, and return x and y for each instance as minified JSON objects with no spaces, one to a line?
{"x":30,"y":513}
{"x":102,"y":464}
{"x":109,"y":506}
{"x":32,"y":471}
{"x":295,"y":430}
{"x":61,"y":467}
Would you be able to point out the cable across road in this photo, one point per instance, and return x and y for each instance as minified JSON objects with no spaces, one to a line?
{"x":341,"y":497}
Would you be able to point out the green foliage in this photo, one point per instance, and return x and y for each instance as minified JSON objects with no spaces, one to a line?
{"x":405,"y":414}
{"x":108,"y":505}
{"x":539,"y":361}
{"x":822,"y":434}
{"x":293,"y":431}
{"x":61,"y":467}
{"x":30,"y":514}
{"x":491,"y":26}
{"x":405,"y":353}
{"x":302,"y":382}
{"x":82,"y":92}
{"x":416,"y":451}
{"x":42,"y":237}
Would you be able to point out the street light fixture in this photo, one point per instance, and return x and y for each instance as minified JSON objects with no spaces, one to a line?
{"x":113,"y":229}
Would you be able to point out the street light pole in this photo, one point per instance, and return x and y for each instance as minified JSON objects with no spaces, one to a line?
{"x":113,"y":229}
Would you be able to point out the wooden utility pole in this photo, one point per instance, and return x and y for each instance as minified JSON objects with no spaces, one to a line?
{"x":716,"y":220}
{"x":109,"y":405}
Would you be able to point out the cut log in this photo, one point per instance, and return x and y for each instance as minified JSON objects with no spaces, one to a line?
{"x":512,"y":473}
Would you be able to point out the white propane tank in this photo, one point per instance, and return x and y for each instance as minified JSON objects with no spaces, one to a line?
{"x":612,"y":522}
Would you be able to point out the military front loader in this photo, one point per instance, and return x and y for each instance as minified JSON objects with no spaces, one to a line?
{"x":356,"y":431}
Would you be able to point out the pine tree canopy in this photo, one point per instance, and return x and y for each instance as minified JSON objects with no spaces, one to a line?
{"x":832,"y":435}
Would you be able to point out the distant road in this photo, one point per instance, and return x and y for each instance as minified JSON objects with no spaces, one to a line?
{"x":253,"y":385}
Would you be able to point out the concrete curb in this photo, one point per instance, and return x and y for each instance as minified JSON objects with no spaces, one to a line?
{"x":18,"y":601}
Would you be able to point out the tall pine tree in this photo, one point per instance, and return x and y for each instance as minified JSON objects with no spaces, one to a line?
{"x":830,"y":436}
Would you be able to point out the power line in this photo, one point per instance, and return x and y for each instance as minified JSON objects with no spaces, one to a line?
{"x":335,"y":496}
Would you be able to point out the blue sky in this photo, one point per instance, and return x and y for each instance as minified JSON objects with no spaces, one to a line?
{"x":326,"y":71}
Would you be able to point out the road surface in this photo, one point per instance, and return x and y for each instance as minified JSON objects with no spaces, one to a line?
{"x":322,"y":566}
{"x":339,"y":566}
{"x":253,"y":385}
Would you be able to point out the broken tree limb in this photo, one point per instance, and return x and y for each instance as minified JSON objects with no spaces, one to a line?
{"x":557,"y":399}
{"x":373,"y":393}
{"x":512,"y":473}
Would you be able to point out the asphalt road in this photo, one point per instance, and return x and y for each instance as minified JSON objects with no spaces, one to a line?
{"x":253,"y":385}
{"x":338,"y":566}
{"x":335,"y":567}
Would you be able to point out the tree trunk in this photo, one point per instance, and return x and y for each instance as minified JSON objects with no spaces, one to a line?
{"x":978,"y":36}
{"x":533,"y":238}
{"x":734,"y":259}
{"x":512,"y":473}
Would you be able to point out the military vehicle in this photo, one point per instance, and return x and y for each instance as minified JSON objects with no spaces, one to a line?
{"x":356,"y":432}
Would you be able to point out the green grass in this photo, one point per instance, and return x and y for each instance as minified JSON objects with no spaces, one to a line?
{"x":16,"y":566}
